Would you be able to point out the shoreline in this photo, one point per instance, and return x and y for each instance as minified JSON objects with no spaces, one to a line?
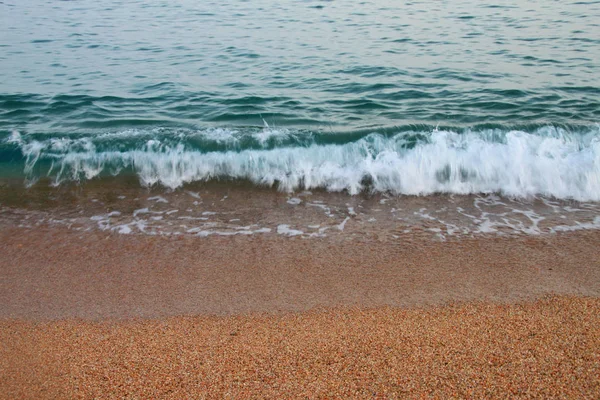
{"x":57,"y":273}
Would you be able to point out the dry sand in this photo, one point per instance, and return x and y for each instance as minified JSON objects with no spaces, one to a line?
{"x":90,"y":315}
{"x":546,"y":349}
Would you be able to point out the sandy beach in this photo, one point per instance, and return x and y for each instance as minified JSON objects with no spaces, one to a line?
{"x":54,"y":273}
{"x":308,"y":199}
{"x":546,"y":349}
{"x":91,"y":314}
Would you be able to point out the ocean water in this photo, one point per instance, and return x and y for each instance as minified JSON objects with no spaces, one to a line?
{"x":382,"y":97}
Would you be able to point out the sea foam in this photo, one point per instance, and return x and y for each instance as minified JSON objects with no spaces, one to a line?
{"x":549,"y":161}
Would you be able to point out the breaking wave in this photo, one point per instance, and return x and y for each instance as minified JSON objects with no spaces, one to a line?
{"x":546,"y":161}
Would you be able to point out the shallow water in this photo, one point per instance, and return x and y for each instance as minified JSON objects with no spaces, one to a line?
{"x":239,"y":208}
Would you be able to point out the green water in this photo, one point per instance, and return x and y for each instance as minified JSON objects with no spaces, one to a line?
{"x":146,"y":86}
{"x":340,"y":65}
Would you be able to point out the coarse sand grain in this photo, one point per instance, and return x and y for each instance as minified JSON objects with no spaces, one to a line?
{"x":548,"y":348}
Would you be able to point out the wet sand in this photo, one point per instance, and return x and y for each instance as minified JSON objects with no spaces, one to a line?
{"x":95,"y":314}
{"x":59,"y":273}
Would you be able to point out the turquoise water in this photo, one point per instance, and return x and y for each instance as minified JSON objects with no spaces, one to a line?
{"x":402,"y":97}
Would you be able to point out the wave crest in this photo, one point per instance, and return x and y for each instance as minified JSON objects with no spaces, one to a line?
{"x":548,"y":161}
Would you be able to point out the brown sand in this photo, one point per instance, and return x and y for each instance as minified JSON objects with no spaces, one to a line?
{"x":546,"y":349}
{"x":57,"y":273}
{"x":67,"y":299}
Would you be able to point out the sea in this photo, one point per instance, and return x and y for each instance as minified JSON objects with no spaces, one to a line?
{"x":304,"y":118}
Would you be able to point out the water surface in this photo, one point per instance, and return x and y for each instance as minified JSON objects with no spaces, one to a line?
{"x":413,"y":97}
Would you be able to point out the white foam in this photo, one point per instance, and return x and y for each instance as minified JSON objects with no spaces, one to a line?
{"x":220,"y":135}
{"x":269,"y":133}
{"x":123,"y":229}
{"x":535,"y":220}
{"x":158,"y":199}
{"x":343,"y":224}
{"x":595,"y":224}
{"x":241,"y":231}
{"x":421,"y":213}
{"x":15,"y":138}
{"x":141,"y":225}
{"x":194,"y":195}
{"x":548,"y":162}
{"x":222,"y":233}
{"x":141,"y":211}
{"x":284,"y":229}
